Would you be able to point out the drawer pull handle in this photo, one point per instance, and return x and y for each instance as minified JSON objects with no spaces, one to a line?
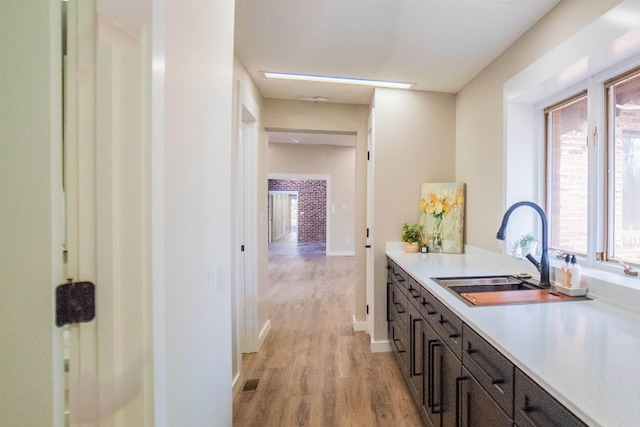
{"x":526,"y":410}
{"x":460,"y":407}
{"x":414,"y":356}
{"x":435,"y":407}
{"x":443,"y":322}
{"x":395,"y":341}
{"x":400,"y":307}
{"x":427,"y":306}
{"x":471,"y":352}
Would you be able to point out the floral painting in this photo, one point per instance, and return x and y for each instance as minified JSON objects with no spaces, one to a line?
{"x":442,"y":216}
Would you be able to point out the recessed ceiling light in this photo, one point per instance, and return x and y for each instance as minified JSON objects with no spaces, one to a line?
{"x":341,"y":80}
{"x":316,"y":99}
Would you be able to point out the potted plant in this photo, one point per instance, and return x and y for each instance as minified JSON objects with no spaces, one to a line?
{"x":412,"y":237}
{"x":524,"y":245}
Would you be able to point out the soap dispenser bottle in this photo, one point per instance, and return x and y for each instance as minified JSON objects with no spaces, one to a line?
{"x":575,"y":273}
{"x":565,"y":278}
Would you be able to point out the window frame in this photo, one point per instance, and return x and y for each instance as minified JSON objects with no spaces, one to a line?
{"x":599,"y":138}
{"x":609,"y":162}
{"x":548,"y":156}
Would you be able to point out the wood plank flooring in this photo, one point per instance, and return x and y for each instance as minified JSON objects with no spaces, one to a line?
{"x":312,"y":369}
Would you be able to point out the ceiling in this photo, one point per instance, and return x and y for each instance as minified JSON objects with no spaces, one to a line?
{"x":438,"y":45}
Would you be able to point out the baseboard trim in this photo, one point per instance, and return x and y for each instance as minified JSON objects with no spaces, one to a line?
{"x":335,"y":253}
{"x":358,"y":325}
{"x":235,"y":383}
{"x":264,"y":332}
{"x":380,"y":346}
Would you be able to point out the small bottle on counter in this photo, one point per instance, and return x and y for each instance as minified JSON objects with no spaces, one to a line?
{"x":574,"y":273}
{"x":565,"y":273}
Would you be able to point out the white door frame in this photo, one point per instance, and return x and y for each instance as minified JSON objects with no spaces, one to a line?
{"x":327,"y":178}
{"x":108,"y":216}
{"x":246,"y":304}
{"x":271,"y":194}
{"x":369,"y":248}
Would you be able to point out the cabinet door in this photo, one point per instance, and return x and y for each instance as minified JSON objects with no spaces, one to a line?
{"x":441,"y":369}
{"x":431,"y":407}
{"x":475,"y":407}
{"x":416,"y":359}
{"x":447,"y":371}
{"x":389,"y":299}
{"x":534,"y":407}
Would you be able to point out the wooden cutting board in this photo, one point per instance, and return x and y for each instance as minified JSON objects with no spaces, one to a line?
{"x":512,"y":297}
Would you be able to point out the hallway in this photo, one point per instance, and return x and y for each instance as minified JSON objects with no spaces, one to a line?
{"x":313,"y":370}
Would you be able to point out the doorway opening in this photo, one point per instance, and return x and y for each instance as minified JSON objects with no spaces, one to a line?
{"x":298,"y":216}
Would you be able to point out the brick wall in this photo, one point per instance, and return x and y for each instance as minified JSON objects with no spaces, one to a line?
{"x":312,"y":206}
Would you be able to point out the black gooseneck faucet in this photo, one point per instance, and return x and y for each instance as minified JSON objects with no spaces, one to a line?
{"x":543,"y":265}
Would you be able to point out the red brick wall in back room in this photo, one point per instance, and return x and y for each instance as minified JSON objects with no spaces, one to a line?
{"x":312,"y":206}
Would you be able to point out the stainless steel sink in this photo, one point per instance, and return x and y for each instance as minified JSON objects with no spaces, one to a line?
{"x":472,"y":290}
{"x":485,"y":284}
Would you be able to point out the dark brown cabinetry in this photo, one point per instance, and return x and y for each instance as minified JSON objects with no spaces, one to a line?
{"x":534,"y":407}
{"x":475,"y":406}
{"x":490,"y":368}
{"x":455,"y":376}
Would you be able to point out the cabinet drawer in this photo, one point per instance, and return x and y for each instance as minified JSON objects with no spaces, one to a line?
{"x":400,"y":346}
{"x":399,"y":308}
{"x":414,"y":290}
{"x":536,"y":407}
{"x":492,"y":370}
{"x":446,"y":324}
{"x":398,"y":275}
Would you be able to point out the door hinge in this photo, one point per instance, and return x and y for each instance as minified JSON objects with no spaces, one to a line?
{"x":367,"y":233}
{"x":241,"y":248}
{"x":368,"y":155}
{"x":75,"y":303}
{"x":367,"y":308}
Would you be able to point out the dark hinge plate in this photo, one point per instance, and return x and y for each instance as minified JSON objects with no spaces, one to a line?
{"x":241,"y":248}
{"x":75,"y":303}
{"x":367,"y":308}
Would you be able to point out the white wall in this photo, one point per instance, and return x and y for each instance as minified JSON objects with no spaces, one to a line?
{"x":414,"y":143}
{"x":31,"y":224}
{"x":194,"y":388}
{"x":339,"y":163}
{"x":480,"y":127}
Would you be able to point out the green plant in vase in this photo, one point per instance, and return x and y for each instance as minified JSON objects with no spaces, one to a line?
{"x":523,"y":245}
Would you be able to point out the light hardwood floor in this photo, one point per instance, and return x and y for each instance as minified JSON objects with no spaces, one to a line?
{"x":313,"y":370}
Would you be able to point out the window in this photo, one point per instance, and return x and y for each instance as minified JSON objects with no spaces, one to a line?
{"x":623,"y":237}
{"x":567,"y":171}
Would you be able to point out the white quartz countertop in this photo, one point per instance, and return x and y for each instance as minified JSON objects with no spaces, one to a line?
{"x":584,"y":353}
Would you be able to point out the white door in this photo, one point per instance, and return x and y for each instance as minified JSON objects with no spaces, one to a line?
{"x":369,"y":245}
{"x":245,"y":316}
{"x":31,"y":213}
{"x":107,"y":187}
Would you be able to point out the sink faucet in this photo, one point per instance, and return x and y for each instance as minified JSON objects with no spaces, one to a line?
{"x":543,"y":265}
